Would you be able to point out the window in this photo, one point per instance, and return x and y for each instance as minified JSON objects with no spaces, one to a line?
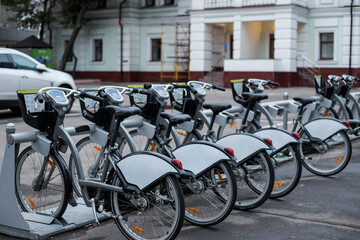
{"x":271,"y":46}
{"x":156,"y":49}
{"x":5,"y":62}
{"x":326,"y":46}
{"x":101,"y":3}
{"x":23,"y":63}
{"x":169,"y":2}
{"x":70,"y":56}
{"x":149,"y":3}
{"x":98,"y":50}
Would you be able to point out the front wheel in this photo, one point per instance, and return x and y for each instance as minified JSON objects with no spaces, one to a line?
{"x":287,"y":168}
{"x":158,"y":213}
{"x":42,"y":184}
{"x":255,"y":181}
{"x":211,"y":197}
{"x":327,"y":158}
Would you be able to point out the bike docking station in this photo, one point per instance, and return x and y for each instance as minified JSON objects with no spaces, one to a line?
{"x":13,"y":221}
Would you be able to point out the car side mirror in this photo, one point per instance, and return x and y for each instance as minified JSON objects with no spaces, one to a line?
{"x":41,"y":68}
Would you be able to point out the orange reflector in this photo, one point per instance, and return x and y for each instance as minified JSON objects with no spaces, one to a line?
{"x":181,"y":133}
{"x":32,"y":203}
{"x":339,"y":159}
{"x":220,"y":177}
{"x":97,"y":148}
{"x":233,"y":124}
{"x":137,"y":229}
{"x":328,"y":114}
{"x":194,"y":210}
{"x":278,"y":184}
{"x":153,"y":147}
{"x":51,"y":164}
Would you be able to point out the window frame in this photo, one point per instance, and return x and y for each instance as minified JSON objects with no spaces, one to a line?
{"x":149,"y":5}
{"x":94,"y":47}
{"x":172,"y":3}
{"x":152,"y":47}
{"x":317,"y":45}
{"x":326,"y":42}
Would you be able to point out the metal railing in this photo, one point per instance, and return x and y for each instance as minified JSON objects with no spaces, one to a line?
{"x":307,"y":65}
{"x":257,"y":2}
{"x":218,"y":3}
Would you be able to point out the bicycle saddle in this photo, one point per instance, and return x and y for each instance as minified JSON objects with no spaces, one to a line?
{"x":121,"y":112}
{"x":255,"y":96}
{"x":175,"y":119}
{"x":304,"y":101}
{"x":216,"y":108}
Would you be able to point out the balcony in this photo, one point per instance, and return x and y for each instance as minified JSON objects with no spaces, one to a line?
{"x":208,"y":4}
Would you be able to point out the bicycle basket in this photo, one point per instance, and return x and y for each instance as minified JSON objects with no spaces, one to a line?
{"x":94,"y":110}
{"x":238,"y":87}
{"x":320,"y":85}
{"x":40,"y":116}
{"x":181,"y":101}
{"x":148,"y":105}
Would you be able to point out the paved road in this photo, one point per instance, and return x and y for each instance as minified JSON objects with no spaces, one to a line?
{"x":319,"y":208}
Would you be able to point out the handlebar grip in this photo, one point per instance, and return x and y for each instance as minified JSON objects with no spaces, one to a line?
{"x":141,"y":91}
{"x":147,"y":85}
{"x":93,"y":97}
{"x":274,"y":83}
{"x":180,"y":86}
{"x":40,"y":98}
{"x":218,"y":88}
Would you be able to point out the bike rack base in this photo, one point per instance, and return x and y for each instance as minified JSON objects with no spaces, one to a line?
{"x":42,"y":227}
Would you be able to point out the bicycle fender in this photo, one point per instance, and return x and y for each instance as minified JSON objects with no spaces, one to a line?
{"x":279,"y":137}
{"x":199,"y":157}
{"x":244,"y":145}
{"x":143,"y":169}
{"x":324,"y":128}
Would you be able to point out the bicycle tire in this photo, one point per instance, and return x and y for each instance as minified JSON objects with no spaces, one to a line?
{"x":338,"y":150}
{"x":287,"y":168}
{"x":89,"y":152}
{"x":144,"y":222}
{"x":212,"y":197}
{"x":215,"y":200}
{"x":328,"y":112}
{"x":42,"y":199}
{"x":255,"y":181}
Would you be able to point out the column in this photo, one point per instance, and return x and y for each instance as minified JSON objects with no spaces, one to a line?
{"x":237,"y":37}
{"x":285,"y":42}
{"x":200,"y":45}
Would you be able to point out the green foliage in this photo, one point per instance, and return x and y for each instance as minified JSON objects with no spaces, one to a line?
{"x":29,"y":13}
{"x":70,"y":10}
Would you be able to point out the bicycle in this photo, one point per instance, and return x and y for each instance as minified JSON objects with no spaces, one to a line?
{"x":209,"y":193}
{"x":147,"y":207}
{"x":282,"y":157}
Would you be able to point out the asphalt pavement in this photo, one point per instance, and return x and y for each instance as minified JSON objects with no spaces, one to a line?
{"x":319,"y":207}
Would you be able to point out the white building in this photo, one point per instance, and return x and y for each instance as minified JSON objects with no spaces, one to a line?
{"x":288,"y":41}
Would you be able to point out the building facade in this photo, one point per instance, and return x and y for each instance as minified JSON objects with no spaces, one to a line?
{"x":288,"y":41}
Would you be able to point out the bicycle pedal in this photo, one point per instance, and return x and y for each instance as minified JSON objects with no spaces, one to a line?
{"x":91,"y":225}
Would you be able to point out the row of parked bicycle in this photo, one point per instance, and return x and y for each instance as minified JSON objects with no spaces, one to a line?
{"x":151,"y":172}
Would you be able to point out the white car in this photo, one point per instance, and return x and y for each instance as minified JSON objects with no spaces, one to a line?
{"x":19,"y":71}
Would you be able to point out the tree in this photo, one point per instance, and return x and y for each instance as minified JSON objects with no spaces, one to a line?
{"x":72,"y":16}
{"x":31,"y":13}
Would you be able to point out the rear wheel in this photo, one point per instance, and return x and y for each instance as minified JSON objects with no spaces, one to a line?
{"x":42,"y":184}
{"x":158,"y":214}
{"x":329,"y":157}
{"x":255,"y":181}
